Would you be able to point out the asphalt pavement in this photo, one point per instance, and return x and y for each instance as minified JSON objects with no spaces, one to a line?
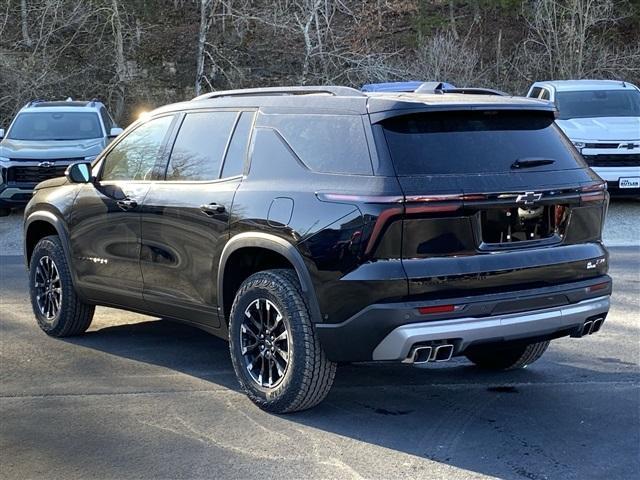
{"x":138,"y":397}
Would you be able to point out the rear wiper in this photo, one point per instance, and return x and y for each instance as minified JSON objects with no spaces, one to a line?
{"x":531,"y":162}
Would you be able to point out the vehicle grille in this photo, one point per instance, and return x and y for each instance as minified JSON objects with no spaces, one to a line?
{"x":34,"y":174}
{"x":613,"y":160}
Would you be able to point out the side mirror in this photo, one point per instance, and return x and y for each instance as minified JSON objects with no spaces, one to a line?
{"x":115,"y":132}
{"x":78,"y":172}
{"x":1,"y":132}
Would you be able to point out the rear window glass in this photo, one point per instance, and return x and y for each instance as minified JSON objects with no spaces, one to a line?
{"x":477,"y":142}
{"x":326,"y":143}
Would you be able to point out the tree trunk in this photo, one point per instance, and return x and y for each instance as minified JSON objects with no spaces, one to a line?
{"x":206,"y":15}
{"x":121,"y":66}
{"x":25,"y":23}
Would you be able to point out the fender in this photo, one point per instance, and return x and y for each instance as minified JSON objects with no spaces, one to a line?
{"x":277,"y":245}
{"x":57,"y":223}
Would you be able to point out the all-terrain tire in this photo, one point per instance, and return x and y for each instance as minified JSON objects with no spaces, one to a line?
{"x":509,"y":358}
{"x":309,"y":375}
{"x":73,"y":316}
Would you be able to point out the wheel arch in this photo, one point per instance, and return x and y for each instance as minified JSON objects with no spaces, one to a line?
{"x":276,"y":245}
{"x":40,"y":224}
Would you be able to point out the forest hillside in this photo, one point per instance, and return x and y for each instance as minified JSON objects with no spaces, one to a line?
{"x":138,"y":54}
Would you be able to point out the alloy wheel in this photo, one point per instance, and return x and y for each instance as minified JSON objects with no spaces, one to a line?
{"x":48,"y":287}
{"x":265,"y":343}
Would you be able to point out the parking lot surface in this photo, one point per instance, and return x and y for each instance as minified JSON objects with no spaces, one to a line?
{"x":138,"y":397}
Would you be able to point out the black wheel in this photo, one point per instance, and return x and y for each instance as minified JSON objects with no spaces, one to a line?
{"x":5,"y":212}
{"x":275,"y":353}
{"x":58,"y":310}
{"x":509,"y":357}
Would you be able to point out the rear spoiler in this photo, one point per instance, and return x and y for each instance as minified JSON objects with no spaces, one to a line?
{"x":381,"y":110}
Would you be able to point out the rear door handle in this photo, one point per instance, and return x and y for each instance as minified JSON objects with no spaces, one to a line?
{"x":212,"y":208}
{"x":127,"y":204}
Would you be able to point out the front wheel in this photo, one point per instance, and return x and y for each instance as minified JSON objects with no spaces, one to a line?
{"x":276,"y":355}
{"x":508,"y":357}
{"x":58,"y":310}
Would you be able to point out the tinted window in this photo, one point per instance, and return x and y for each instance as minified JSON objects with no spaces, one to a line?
{"x":535,"y":92}
{"x":198,"y":150}
{"x":134,"y":157}
{"x":475,"y":142}
{"x":106,"y":119}
{"x":234,"y":161}
{"x":326,"y":143}
{"x":545,"y":95}
{"x":55,"y":126}
{"x":598,"y":103}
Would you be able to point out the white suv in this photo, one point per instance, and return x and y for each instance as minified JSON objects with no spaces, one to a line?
{"x":602,"y":119}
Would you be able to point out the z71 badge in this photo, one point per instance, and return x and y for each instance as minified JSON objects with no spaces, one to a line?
{"x":594,"y":263}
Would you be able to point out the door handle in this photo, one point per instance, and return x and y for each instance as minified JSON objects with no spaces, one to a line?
{"x":127,"y":204}
{"x":212,"y":208}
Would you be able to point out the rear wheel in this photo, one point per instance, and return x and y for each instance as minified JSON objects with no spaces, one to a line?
{"x":509,"y":357}
{"x":5,"y":212}
{"x":58,"y":309}
{"x":275,"y":353}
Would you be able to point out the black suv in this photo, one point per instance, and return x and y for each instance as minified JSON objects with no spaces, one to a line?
{"x":316,"y":225}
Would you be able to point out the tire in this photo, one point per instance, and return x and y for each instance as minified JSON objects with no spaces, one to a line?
{"x":509,"y":358}
{"x":72,"y":316}
{"x":307,"y":375}
{"x":5,"y":212}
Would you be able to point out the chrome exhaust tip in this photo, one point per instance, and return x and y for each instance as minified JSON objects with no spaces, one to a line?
{"x":419,"y":355}
{"x":597,"y":325}
{"x":443,"y":353}
{"x":586,"y":328}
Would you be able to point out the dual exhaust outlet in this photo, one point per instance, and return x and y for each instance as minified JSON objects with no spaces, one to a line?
{"x":592,"y":326}
{"x":429,"y":353}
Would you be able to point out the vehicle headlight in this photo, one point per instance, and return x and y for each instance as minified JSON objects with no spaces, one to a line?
{"x":90,"y":158}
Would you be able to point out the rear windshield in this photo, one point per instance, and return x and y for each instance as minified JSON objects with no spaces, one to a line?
{"x":55,"y":126}
{"x":477,"y":142}
{"x":598,"y":103}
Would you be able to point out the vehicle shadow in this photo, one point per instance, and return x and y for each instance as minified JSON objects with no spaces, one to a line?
{"x":544,"y":421}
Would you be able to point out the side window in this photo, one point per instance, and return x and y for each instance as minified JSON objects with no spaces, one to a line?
{"x":545,"y":94}
{"x":237,"y":152}
{"x":134,"y":157}
{"x":106,"y":120}
{"x":326,"y":143}
{"x":199,"y":147}
{"x":535,"y":92}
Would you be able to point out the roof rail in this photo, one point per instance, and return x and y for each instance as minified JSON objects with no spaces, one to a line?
{"x":268,"y":91}
{"x":439,"y":87}
{"x":34,"y":101}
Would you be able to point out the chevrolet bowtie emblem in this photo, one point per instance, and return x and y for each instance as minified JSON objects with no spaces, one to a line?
{"x":529,"y":198}
{"x":46,"y":164}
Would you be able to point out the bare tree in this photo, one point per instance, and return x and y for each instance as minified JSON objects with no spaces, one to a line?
{"x":206,"y":19}
{"x":24,"y":22}
{"x":568,"y":39}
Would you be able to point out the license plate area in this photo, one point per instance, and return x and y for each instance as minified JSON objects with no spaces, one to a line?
{"x":511,"y":226}
{"x":629,"y":182}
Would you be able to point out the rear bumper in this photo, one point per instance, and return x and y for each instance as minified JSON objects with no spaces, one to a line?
{"x":465,"y":332}
{"x":388,"y":331}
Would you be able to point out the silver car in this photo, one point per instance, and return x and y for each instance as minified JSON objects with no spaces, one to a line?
{"x":43,"y":139}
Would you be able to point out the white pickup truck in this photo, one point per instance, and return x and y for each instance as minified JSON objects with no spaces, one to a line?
{"x":602,"y":119}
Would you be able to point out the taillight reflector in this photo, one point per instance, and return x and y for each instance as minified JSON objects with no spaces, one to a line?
{"x":436,"y":309}
{"x":598,"y":286}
